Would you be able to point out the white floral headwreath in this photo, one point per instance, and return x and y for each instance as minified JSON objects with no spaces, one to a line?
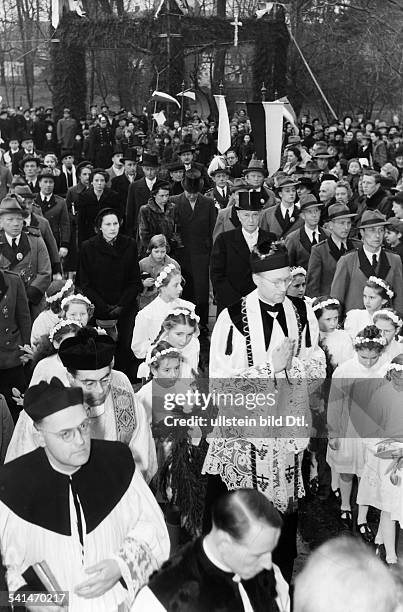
{"x":78,"y":296}
{"x":62,"y":323}
{"x":390,"y":315}
{"x":295,"y":270}
{"x":397,"y":367}
{"x":56,"y":296}
{"x":358,"y":340}
{"x":325,"y":303}
{"x":188,"y":313}
{"x":381,"y":283}
{"x":163,"y":274}
{"x":160,"y":354}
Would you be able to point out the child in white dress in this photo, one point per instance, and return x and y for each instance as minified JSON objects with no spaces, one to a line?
{"x":389,"y":323}
{"x":346,"y":449}
{"x":149,"y":319}
{"x":48,"y":318}
{"x":377,"y":294}
{"x":77,"y":307}
{"x":180,"y":329}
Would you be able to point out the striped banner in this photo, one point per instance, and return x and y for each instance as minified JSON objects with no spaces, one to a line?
{"x":267,"y":129}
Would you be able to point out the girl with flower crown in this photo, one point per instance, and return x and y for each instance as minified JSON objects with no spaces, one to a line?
{"x":381,"y":482}
{"x":77,"y":307}
{"x":149,"y":319}
{"x":180,"y":330}
{"x":151,"y":266}
{"x":349,"y":394}
{"x":376,"y":295}
{"x":48,"y":318}
{"x":390,"y":324}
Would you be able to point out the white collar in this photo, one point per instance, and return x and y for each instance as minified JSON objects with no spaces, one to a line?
{"x":370,"y":255}
{"x":211,"y":557}
{"x":284,"y":210}
{"x":339,"y":242}
{"x":10,"y":239}
{"x":28,"y":220}
{"x":150,"y":183}
{"x":251,"y":238}
{"x":310,"y":232}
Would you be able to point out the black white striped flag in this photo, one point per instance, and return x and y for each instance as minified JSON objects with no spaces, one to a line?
{"x":267,"y":129}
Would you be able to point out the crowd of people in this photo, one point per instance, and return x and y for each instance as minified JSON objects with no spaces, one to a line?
{"x":136,"y":262}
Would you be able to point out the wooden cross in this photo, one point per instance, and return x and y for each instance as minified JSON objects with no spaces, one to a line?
{"x":237,"y":24}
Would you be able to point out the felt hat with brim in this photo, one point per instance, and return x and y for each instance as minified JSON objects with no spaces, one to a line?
{"x":305,"y":181}
{"x":395,"y":225}
{"x":224,"y":170}
{"x":26,"y":137}
{"x":338,"y":211}
{"x":329,"y":177}
{"x":322,"y":154}
{"x":45,"y":398}
{"x":150,"y":160}
{"x":175,"y":166}
{"x":46,"y":173}
{"x":10,"y":206}
{"x":308,"y":201}
{"x":192,"y":182}
{"x":372,"y":218}
{"x":84,"y":164}
{"x":24,"y":192}
{"x":248,"y":200}
{"x":29,"y":158}
{"x":293,"y":140}
{"x":186,"y":148}
{"x":255,"y":165}
{"x":131,"y":155}
{"x":286,"y":182}
{"x":67,"y":153}
{"x":311,"y":166}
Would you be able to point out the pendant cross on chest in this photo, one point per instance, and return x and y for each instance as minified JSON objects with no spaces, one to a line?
{"x":237,"y":24}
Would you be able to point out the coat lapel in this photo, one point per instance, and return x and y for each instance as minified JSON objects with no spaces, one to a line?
{"x":365,"y":267}
{"x":384,"y":265}
{"x":334,"y":251}
{"x":280,"y":218}
{"x":240,"y":245}
{"x":304,"y":240}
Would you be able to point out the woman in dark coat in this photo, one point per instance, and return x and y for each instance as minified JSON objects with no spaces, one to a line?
{"x":92,"y":201}
{"x":101,"y":144}
{"x":109,"y":276}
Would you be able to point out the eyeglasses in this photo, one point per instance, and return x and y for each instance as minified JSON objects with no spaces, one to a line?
{"x":92,"y":384}
{"x":286,"y":282}
{"x":67,"y":435}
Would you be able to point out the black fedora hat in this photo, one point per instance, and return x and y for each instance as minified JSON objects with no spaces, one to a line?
{"x":248,"y":200}
{"x":150,"y":160}
{"x":175,"y":166}
{"x":29,"y":158}
{"x":186,"y":148}
{"x":192,"y":181}
{"x":305,"y":181}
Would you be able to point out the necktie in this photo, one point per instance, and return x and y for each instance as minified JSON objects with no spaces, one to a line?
{"x":287,"y":217}
{"x":78,"y":512}
{"x":314,"y":241}
{"x":69,"y":179}
{"x":342,"y":249}
{"x":31,"y":185}
{"x":374,"y":261}
{"x":14,"y":245}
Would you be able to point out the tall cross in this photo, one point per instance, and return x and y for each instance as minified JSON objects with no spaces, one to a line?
{"x":237,"y":24}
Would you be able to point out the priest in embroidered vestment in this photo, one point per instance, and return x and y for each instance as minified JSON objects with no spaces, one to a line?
{"x":81,"y":506}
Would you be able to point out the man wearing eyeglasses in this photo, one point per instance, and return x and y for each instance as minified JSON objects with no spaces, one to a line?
{"x":271,"y":336}
{"x":81,"y":506}
{"x":113,"y":410}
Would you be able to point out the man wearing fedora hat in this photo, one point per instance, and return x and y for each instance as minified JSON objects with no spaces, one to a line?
{"x":230,"y":270}
{"x":195,"y":217}
{"x":139,"y":192}
{"x":24,"y":253}
{"x":254,"y":175}
{"x":300,"y":241}
{"x":54,"y":209}
{"x":35,"y":220}
{"x":374,"y":197}
{"x":283,"y":218}
{"x":220,"y":193}
{"x":322,"y":157}
{"x":354,"y":269}
{"x":117,"y":168}
{"x":131,"y":172}
{"x":186,"y":155}
{"x":30,"y":168}
{"x":325,"y":255}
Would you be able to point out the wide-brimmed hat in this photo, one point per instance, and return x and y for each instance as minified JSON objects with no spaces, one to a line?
{"x":338,"y":211}
{"x":395,"y":224}
{"x":329,"y":177}
{"x":186,"y":148}
{"x":226,"y":171}
{"x":67,"y":153}
{"x":131,"y":155}
{"x":150,"y":160}
{"x":286,"y":181}
{"x":9,"y":205}
{"x":192,"y":181}
{"x":322,"y":153}
{"x":29,"y":158}
{"x":372,"y":218}
{"x":175,"y":166}
{"x":293,"y":140}
{"x":255,"y":165}
{"x":46,"y":173}
{"x":308,"y":201}
{"x":26,"y":137}
{"x":311,"y":166}
{"x":239,"y":183}
{"x":305,"y":181}
{"x":24,"y":192}
{"x":248,"y":200}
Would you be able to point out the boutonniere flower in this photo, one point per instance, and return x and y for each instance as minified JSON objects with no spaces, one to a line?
{"x":262,"y":200}
{"x":292,"y":219}
{"x":19,"y":256}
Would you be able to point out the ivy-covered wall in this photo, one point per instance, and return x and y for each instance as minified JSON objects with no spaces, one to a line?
{"x":171,"y":35}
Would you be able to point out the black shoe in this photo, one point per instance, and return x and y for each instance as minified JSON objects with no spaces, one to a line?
{"x":346,"y":518}
{"x":366,"y":533}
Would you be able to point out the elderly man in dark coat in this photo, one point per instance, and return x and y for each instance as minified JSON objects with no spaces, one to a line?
{"x":300,"y":242}
{"x":230,"y":270}
{"x":15,"y":330}
{"x":24,"y":253}
{"x":325,"y":255}
{"x":354,"y":269}
{"x":195,"y":217}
